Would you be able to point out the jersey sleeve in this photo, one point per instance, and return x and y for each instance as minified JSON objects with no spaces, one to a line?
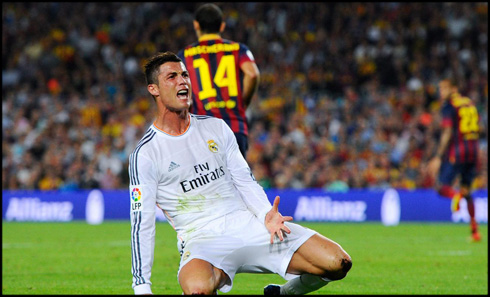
{"x":245,"y":55}
{"x":250,"y":191}
{"x":142,"y":191}
{"x":447,"y":116}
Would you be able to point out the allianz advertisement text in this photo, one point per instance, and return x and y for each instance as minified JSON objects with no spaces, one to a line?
{"x":389,"y":206}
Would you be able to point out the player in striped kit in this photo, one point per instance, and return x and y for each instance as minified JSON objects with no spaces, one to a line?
{"x":223,"y":73}
{"x":191,"y":168}
{"x":457,"y":150}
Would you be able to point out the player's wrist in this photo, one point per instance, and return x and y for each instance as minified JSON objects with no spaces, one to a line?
{"x":261,"y":215}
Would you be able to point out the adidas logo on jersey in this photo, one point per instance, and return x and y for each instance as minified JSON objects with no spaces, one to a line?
{"x":173,"y":166}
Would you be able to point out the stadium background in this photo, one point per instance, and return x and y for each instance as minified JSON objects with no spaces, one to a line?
{"x":347,"y":98}
{"x":344,"y":121}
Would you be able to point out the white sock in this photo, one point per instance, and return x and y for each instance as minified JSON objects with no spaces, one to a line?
{"x":303,"y":284}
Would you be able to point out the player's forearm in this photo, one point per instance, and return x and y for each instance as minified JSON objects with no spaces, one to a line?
{"x":142,"y":249}
{"x":251,"y":192}
{"x":250,"y":87}
{"x":251,"y":81}
{"x":443,"y":143}
{"x":256,"y":200}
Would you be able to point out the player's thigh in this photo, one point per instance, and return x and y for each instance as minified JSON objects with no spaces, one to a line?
{"x":319,"y":255}
{"x":447,"y":173}
{"x":199,"y":276}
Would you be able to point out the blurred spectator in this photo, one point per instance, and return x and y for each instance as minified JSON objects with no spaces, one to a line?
{"x":347,"y":98}
{"x":50,"y":180}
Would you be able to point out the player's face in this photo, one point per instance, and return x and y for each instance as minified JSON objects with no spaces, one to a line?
{"x":445,"y":89}
{"x":174,"y":86}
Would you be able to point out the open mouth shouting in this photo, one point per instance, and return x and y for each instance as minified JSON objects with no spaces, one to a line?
{"x":183,"y":94}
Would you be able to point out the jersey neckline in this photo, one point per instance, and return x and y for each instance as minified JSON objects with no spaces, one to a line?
{"x":209,"y":37}
{"x":170,"y":134}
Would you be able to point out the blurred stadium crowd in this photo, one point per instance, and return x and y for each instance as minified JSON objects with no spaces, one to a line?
{"x":348,"y":93}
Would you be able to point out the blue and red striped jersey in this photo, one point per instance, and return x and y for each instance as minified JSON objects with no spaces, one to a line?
{"x":461,"y":115}
{"x":217,"y":81}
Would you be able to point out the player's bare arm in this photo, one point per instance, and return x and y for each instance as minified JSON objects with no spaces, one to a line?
{"x":251,"y":81}
{"x":435,"y":162}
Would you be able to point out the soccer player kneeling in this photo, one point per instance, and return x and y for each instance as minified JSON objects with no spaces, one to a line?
{"x":190,"y":166}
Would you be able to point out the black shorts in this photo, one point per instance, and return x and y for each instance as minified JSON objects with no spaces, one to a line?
{"x":449,"y":171}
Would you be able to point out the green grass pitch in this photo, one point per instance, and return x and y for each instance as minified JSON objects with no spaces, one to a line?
{"x":77,"y":258}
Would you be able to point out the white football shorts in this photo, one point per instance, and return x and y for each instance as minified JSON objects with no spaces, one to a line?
{"x":240,"y":243}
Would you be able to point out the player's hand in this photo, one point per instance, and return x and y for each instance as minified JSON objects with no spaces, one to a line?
{"x":433,"y":166}
{"x":274,"y":222}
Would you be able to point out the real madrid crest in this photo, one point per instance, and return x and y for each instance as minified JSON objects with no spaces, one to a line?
{"x":212,"y":146}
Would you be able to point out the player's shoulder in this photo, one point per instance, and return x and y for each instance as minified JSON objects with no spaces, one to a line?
{"x":210,"y":125}
{"x":182,"y":52}
{"x":240,"y":44}
{"x":228,"y":41}
{"x":146,"y":142}
{"x":207,"y":119}
{"x":209,"y":122}
{"x":458,"y":100}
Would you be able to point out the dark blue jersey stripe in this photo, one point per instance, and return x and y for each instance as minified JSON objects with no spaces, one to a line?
{"x":136,"y":250}
{"x":131,"y":156}
{"x":134,"y":180}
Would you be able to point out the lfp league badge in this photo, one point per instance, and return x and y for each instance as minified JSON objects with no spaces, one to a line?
{"x":136,"y":199}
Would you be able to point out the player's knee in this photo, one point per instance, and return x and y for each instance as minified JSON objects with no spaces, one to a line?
{"x":345,"y":264}
{"x":465,"y":191}
{"x":199,"y":288}
{"x":342,"y":265}
{"x":199,"y":291}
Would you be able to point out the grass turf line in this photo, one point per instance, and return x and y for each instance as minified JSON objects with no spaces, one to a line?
{"x":77,"y":258}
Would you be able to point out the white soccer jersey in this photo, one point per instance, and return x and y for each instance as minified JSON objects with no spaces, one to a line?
{"x":187,"y":176}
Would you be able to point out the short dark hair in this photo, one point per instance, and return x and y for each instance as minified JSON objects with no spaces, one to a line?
{"x":152,"y":67}
{"x":453,"y":82}
{"x":209,"y":16}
